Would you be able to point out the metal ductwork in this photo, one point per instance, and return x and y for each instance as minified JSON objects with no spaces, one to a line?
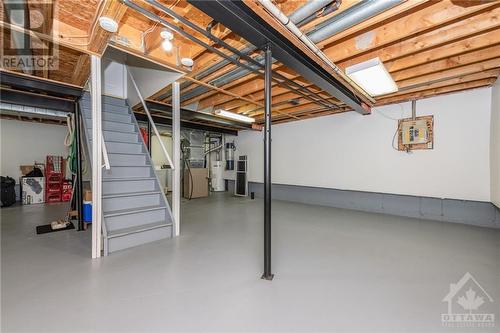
{"x":310,"y":8}
{"x":350,"y":17}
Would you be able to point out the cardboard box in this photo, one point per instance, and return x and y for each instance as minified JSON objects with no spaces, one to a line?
{"x":33,"y":190}
{"x":87,"y":195}
{"x":25,"y":169}
{"x":200,"y":183}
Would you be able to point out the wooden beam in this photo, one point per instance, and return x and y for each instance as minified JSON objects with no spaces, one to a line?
{"x":473,"y":43}
{"x":447,"y":63}
{"x":450,"y":73}
{"x":437,"y":91}
{"x":99,"y":37}
{"x":441,"y":36}
{"x":437,"y":15}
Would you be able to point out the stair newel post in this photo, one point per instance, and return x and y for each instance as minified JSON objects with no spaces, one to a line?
{"x":176,"y":174}
{"x":96,"y":97}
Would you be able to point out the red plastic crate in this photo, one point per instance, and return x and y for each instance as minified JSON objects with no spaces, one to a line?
{"x":54,"y":176}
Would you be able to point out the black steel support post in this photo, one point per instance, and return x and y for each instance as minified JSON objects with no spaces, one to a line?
{"x":149,"y":137}
{"x":79,"y":180}
{"x":267,"y":165}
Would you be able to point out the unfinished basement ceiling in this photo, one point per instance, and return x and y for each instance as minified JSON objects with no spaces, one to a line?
{"x":429,"y":47}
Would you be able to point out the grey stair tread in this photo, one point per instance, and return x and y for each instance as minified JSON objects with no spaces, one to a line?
{"x":140,"y":228}
{"x":116,"y":141}
{"x":133,"y":210}
{"x":131,"y":166}
{"x":113,"y":121}
{"x":130,"y":194}
{"x":110,"y":153}
{"x":127,"y":178}
{"x":115,"y":131}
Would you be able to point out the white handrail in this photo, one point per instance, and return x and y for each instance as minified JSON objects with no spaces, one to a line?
{"x":151,"y":120}
{"x":105,"y":153}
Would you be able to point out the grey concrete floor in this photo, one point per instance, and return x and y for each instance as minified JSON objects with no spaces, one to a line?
{"x":336,"y":270}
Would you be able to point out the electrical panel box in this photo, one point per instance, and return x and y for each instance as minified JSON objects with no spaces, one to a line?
{"x":414,"y":132}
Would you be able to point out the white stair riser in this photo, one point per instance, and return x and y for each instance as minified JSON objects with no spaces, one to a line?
{"x":135,"y":219}
{"x":132,"y":137}
{"x":117,"y":203}
{"x":117,"y":160}
{"x":118,"y":136}
{"x":127,"y":172}
{"x":122,"y":186}
{"x":87,"y":102}
{"x":123,"y":147}
{"x":124,"y":118}
{"x":123,"y":242}
{"x":112,"y":126}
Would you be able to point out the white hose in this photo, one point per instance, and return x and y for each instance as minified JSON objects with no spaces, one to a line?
{"x":277,"y":13}
{"x":70,"y":123}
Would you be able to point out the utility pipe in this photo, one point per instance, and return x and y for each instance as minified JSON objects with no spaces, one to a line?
{"x":278,"y":14}
{"x":308,"y":9}
{"x":350,"y":17}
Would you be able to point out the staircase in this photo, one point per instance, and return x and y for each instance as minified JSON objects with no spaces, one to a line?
{"x":135,"y":210}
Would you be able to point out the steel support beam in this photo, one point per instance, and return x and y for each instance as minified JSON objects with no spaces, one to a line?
{"x":95,"y":93}
{"x":267,"y":164}
{"x":176,"y":152}
{"x":243,"y":21}
{"x":186,"y":124}
{"x":189,"y":115}
{"x":35,"y":100}
{"x":29,"y":83}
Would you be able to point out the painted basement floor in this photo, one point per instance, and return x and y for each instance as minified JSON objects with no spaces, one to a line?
{"x":336,"y":270}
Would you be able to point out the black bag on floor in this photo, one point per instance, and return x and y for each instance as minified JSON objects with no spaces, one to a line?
{"x":8,"y":193}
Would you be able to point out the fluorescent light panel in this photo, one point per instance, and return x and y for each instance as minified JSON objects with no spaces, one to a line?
{"x":235,"y":116}
{"x":373,"y":77}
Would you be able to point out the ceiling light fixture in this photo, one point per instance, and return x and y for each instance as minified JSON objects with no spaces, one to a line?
{"x":166,"y":34}
{"x":188,"y":62}
{"x":108,"y":24}
{"x":234,"y":116}
{"x":167,"y":45}
{"x":373,"y":77}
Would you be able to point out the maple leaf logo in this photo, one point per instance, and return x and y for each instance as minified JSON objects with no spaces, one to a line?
{"x":470,"y":301}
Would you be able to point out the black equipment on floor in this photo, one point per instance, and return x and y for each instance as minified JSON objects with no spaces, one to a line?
{"x":8,"y":193}
{"x":46,"y":228}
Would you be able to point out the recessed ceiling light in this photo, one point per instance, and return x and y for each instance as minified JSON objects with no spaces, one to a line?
{"x":166,"y":34}
{"x":235,"y":116}
{"x":373,"y":77}
{"x":188,"y":62}
{"x":108,"y":24}
{"x":167,"y":45}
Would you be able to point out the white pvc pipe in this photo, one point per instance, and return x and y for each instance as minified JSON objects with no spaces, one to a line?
{"x":165,"y":152}
{"x":278,"y":14}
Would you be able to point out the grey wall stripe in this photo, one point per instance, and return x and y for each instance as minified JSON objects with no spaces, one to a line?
{"x":475,"y":213}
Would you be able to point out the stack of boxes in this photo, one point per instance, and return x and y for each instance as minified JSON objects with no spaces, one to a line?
{"x":51,"y":188}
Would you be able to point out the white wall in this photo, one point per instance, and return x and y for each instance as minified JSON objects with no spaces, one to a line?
{"x":23,"y":143}
{"x":114,"y":79}
{"x":354,"y":152}
{"x":495,"y":144}
{"x":149,"y":81}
